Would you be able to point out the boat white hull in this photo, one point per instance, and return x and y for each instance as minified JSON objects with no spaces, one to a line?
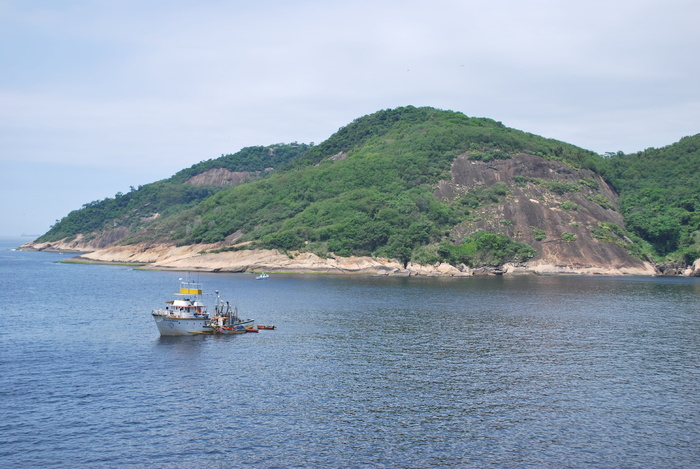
{"x":170,"y":326}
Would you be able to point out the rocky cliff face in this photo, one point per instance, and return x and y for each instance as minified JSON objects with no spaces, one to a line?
{"x":570,"y":216}
{"x":220,"y":177}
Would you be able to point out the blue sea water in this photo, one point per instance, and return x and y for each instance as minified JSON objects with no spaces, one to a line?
{"x":360,"y":372}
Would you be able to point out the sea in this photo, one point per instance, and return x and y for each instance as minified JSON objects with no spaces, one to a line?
{"x":360,"y":372}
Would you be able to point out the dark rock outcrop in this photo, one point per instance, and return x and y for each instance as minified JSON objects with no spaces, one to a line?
{"x":569,"y":215}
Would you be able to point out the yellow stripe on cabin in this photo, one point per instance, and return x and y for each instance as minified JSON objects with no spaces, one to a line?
{"x":190,"y":291}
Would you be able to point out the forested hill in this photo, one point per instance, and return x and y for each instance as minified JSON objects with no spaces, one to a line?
{"x":420,"y":185}
{"x":660,"y":197}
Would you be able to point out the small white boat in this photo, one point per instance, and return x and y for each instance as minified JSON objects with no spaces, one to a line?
{"x":187,"y":315}
{"x":262,"y":276}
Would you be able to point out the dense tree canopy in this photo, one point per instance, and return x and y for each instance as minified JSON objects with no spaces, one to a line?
{"x":660,"y":196}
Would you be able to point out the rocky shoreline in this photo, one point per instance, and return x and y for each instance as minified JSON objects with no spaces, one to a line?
{"x":211,"y":258}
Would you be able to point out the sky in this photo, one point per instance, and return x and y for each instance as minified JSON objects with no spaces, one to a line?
{"x":97,"y":97}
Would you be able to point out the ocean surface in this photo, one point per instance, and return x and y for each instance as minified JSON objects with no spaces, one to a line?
{"x":361,"y":371}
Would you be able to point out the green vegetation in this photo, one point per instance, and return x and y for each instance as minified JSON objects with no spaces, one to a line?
{"x":558,"y":187}
{"x":478,"y":196}
{"x":569,"y":205}
{"x":429,"y":128}
{"x":538,"y":234}
{"x":601,"y":200}
{"x":378,"y":200}
{"x":660,"y":197}
{"x":592,"y":183}
{"x":133,"y":209}
{"x":568,"y":237}
{"x":370,"y":190}
{"x":250,"y":159}
{"x":167,"y":197}
{"x":612,"y":233}
{"x":482,"y":248}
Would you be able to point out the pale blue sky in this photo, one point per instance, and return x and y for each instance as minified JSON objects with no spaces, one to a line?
{"x":97,"y":96}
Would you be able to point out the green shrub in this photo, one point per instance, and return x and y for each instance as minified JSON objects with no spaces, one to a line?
{"x":484,"y":248}
{"x":538,"y":234}
{"x":568,"y":237}
{"x":426,"y":255}
{"x":601,"y":200}
{"x":569,"y":206}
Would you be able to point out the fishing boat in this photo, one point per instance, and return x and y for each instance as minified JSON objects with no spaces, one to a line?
{"x":262,"y":276}
{"x":226,"y":321}
{"x":188,"y":315}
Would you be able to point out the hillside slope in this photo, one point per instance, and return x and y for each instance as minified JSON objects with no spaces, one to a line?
{"x":660,"y":197}
{"x":105,"y":222}
{"x":419,"y":186}
{"x":569,"y":216}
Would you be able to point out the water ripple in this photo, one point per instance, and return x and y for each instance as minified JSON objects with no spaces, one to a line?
{"x":396,"y":373}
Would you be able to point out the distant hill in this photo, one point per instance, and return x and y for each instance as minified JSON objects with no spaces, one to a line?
{"x":418,"y":185}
